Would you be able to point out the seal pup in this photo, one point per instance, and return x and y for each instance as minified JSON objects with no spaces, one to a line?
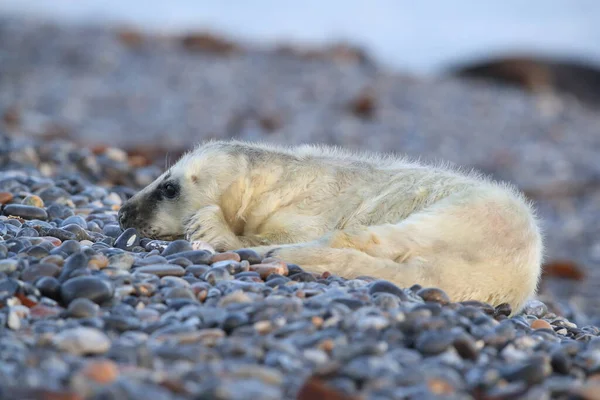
{"x":350,"y":213}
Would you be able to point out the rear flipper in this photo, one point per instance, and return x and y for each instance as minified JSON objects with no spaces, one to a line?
{"x":484,"y":247}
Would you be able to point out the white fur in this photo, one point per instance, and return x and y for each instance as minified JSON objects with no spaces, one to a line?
{"x":355,"y":214}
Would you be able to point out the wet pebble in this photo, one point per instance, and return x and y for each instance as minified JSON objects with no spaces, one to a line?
{"x":381,"y":286}
{"x":33,"y":272}
{"x":128,"y":239}
{"x":93,"y":288}
{"x":25,"y":211}
{"x":433,"y":342}
{"x":194,"y":256}
{"x":535,"y":308}
{"x":33,"y":200}
{"x":249,"y":255}
{"x":434,"y":294}
{"x":177,"y":246}
{"x":49,"y":287}
{"x":82,"y":308}
{"x":8,"y":266}
{"x":82,"y":341}
{"x":162,"y":270}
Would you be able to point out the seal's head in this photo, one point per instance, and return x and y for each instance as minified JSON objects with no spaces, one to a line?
{"x":156,"y":210}
{"x":162,"y":209}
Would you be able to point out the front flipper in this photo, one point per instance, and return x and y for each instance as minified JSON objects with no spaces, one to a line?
{"x":209,"y":225}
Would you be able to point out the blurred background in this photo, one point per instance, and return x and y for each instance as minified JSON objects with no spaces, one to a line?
{"x":511,"y":88}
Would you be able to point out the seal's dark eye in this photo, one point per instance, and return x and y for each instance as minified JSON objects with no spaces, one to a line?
{"x":170,"y":190}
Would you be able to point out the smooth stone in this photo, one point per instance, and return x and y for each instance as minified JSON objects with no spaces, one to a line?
{"x":179,"y":293}
{"x":150,"y":245}
{"x":83,"y":308}
{"x":5,"y":197}
{"x":90,"y":287}
{"x":33,"y":200}
{"x":533,"y":371}
{"x":152,"y":259}
{"x":197,"y":270}
{"x":433,"y":342}
{"x":434,"y":294}
{"x":231,"y":266}
{"x":484,"y":307}
{"x":233,"y":321}
{"x":561,"y":363}
{"x":466,"y":347}
{"x":121,"y":323}
{"x":8,"y":266}
{"x":267,"y":268}
{"x":535,"y":308}
{"x":540,"y":324}
{"x":162,"y":270}
{"x":249,"y":255}
{"x":181,"y":261}
{"x":177,"y":246}
{"x":13,"y":321}
{"x":33,"y":272}
{"x":68,"y":247}
{"x":75,"y":219}
{"x":28,"y":232}
{"x":53,"y":194}
{"x":100,"y":372}
{"x":75,"y":262}
{"x":278,"y":281}
{"x":123,"y":261}
{"x":9,"y":286}
{"x":293,"y":269}
{"x":174,"y":281}
{"x":229,"y":255}
{"x":49,"y":287}
{"x":62,"y":234}
{"x":79,"y":232}
{"x":503,"y":309}
{"x":58,"y":211}
{"x":303,"y":277}
{"x":37,"y":252}
{"x":194,"y":256}
{"x":112,"y":230}
{"x":215,"y":275}
{"x":25,"y":212}
{"x":381,"y":286}
{"x":128,"y":239}
{"x":82,"y":341}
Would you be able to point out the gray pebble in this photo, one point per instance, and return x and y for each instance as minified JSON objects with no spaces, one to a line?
{"x":82,"y":341}
{"x":434,"y":294}
{"x":177,"y":246}
{"x":9,"y":286}
{"x":379,"y":286}
{"x":49,"y":287}
{"x":433,"y":342}
{"x":76,"y":220}
{"x":162,"y":270}
{"x":128,"y":239}
{"x":82,"y":308}
{"x":93,"y":288}
{"x":25,"y":212}
{"x":195,"y":256}
{"x":8,"y":266}
{"x":535,"y":308}
{"x":33,"y":272}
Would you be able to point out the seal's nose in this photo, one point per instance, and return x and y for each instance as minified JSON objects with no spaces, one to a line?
{"x":122,"y":216}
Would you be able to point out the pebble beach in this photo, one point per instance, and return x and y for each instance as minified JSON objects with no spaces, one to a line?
{"x":89,"y":311}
